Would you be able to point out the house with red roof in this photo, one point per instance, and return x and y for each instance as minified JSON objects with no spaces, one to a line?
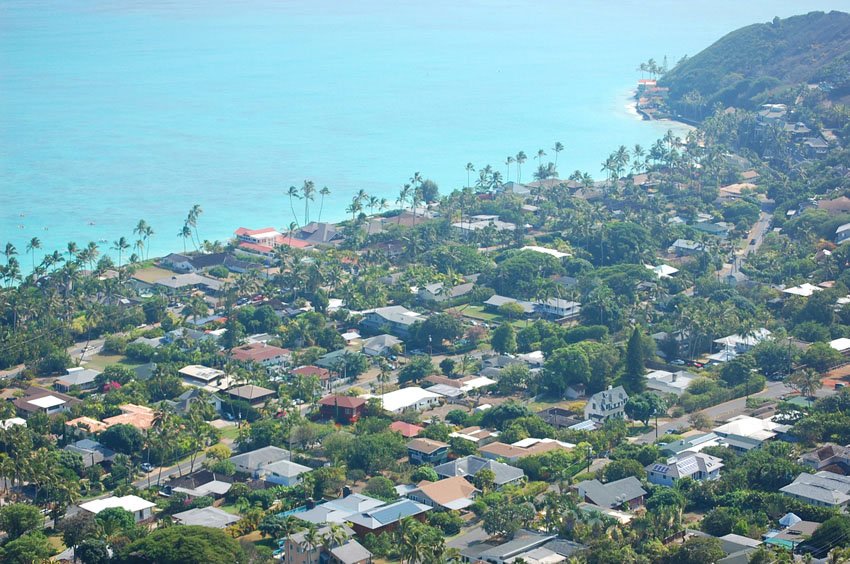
{"x":344,"y":409}
{"x":264,"y":241}
{"x":407,"y":430}
{"x":262,"y":354}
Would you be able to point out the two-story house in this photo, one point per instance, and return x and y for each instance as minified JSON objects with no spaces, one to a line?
{"x":607,"y":404}
{"x":696,"y":466}
{"x":427,"y":451}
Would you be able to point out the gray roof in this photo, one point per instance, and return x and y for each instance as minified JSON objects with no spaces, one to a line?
{"x":454,"y":292}
{"x":688,"y":443}
{"x":497,"y":301}
{"x":471,"y":465}
{"x":381,"y":341}
{"x":78,"y":377}
{"x":91,"y":451}
{"x":260,"y":457}
{"x":388,"y":514}
{"x":523,"y":541}
{"x":286,"y":468}
{"x":612,"y":494}
{"x":338,"y":510}
{"x":351,"y":552}
{"x":212,"y":517}
{"x":825,"y":487}
{"x":315,"y":232}
{"x":397,"y":314}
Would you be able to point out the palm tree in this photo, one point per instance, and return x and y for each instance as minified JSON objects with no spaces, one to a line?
{"x":520,"y":158}
{"x":140,"y":228}
{"x":32,"y":246}
{"x":508,"y":162}
{"x":540,"y":154}
{"x":185,"y":233}
{"x":308,"y":191}
{"x":120,"y":245}
{"x":403,"y":197}
{"x":807,"y":381}
{"x":10,"y":251}
{"x":293,"y":193}
{"x":149,"y":232}
{"x":72,"y":250}
{"x":323,"y":192}
{"x":354,"y":208}
{"x":192,"y":220}
{"x":557,"y":149}
{"x":469,"y":169}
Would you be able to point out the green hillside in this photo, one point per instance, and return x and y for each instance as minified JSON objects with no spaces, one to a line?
{"x":759,"y":62}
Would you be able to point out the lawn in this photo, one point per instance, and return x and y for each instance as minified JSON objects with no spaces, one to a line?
{"x":230,"y":432}
{"x":476,"y":312}
{"x":101,"y":361}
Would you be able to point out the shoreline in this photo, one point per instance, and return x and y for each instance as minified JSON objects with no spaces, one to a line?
{"x":633,"y":110}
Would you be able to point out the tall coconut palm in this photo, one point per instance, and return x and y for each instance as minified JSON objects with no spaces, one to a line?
{"x":149,"y":232}
{"x":403,"y":197}
{"x":557,"y":149}
{"x":293,"y":193}
{"x":32,"y":246}
{"x":323,"y":192}
{"x":9,"y":251}
{"x":508,"y":162}
{"x":308,"y":192}
{"x":469,"y":170}
{"x":192,"y":220}
{"x":185,"y":233}
{"x":520,"y":158}
{"x":540,"y":154}
{"x":120,"y":245}
{"x":72,"y":250}
{"x":140,"y":227}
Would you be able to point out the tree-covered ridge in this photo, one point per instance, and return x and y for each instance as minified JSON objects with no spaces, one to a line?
{"x":752,"y":65}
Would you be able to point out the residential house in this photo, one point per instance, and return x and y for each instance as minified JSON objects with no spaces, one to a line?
{"x":79,"y":378}
{"x":341,"y":408}
{"x":323,"y":374}
{"x":836,"y":206}
{"x":739,"y":344}
{"x":252,"y":461}
{"x":184,"y":401}
{"x":626,"y":492}
{"x":141,"y":509}
{"x":201,"y":483}
{"x":386,"y":517}
{"x":211,"y":517}
{"x":268,"y":236}
{"x":449,"y":493}
{"x":381,"y":345}
{"x":138,"y":416}
{"x":475,"y":223}
{"x":815,"y":147}
{"x":92,"y":452}
{"x":525,"y":546}
{"x":558,"y":308}
{"x":406,"y":430}
{"x":522,"y":448}
{"x":685,"y":247}
{"x":664,"y":382}
{"x":793,"y":535}
{"x":842,"y":345}
{"x":546,"y":251}
{"x":204,"y":377}
{"x":438,"y":292}
{"x":476,"y":435}
{"x":696,"y":466}
{"x":607,"y":404}
{"x":824,"y":489}
{"x":842,"y":233}
{"x":85,"y":426}
{"x":271,"y":463}
{"x":320,"y":234}
{"x":339,"y":510}
{"x":254,"y":395}
{"x":469,"y":466}
{"x":184,"y":282}
{"x":496,"y":301}
{"x":413,"y":398}
{"x":662,"y":270}
{"x":349,"y":551}
{"x":719,"y":229}
{"x":559,"y":417}
{"x":395,"y":319}
{"x":427,"y":451}
{"x":262,"y":354}
{"x":827,"y":455}
{"x":692,"y":443}
{"x":804,"y":290}
{"x":744,"y":433}
{"x":39,"y":400}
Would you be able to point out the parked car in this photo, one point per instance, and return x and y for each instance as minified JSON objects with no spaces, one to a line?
{"x":147,"y":467}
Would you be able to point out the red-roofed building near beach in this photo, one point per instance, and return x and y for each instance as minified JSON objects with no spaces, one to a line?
{"x":341,"y":408}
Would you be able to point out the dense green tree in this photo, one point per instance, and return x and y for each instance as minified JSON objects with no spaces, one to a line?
{"x":505,"y":519}
{"x":619,"y":469}
{"x":187,"y":544}
{"x":568,"y":366}
{"x":634,"y":374}
{"x":417,"y":368}
{"x":31,"y":548}
{"x":738,"y":370}
{"x":503,"y":339}
{"x":20,"y":518}
{"x":698,"y":550}
{"x":93,"y":551}
{"x":642,"y":407}
{"x":834,"y":532}
{"x":773,"y":358}
{"x":381,"y":487}
{"x":820,"y":356}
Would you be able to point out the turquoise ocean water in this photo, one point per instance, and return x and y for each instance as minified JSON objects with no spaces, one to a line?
{"x":120,"y":110}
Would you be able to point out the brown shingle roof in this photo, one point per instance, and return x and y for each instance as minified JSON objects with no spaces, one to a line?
{"x":446,"y":490}
{"x":426,"y":446}
{"x":342,"y":401}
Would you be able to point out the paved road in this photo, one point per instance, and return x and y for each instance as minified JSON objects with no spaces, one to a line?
{"x":718,"y":412}
{"x":757,"y":233}
{"x":183,"y":468}
{"x":79,"y":352}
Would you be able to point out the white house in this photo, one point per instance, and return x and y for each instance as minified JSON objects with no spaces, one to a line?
{"x":607,"y":404}
{"x":414,"y":398}
{"x":842,"y":233}
{"x":697,"y":466}
{"x":557,"y":307}
{"x":140,"y":508}
{"x":284,"y":472}
{"x":664,"y":382}
{"x":438,"y":292}
{"x":743,"y":433}
{"x":201,"y":376}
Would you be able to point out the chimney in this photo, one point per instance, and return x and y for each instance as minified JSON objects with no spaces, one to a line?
{"x":674,"y":377}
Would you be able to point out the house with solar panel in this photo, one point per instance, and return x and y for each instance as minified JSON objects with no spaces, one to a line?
{"x":696,"y":466}
{"x":386,"y":517}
